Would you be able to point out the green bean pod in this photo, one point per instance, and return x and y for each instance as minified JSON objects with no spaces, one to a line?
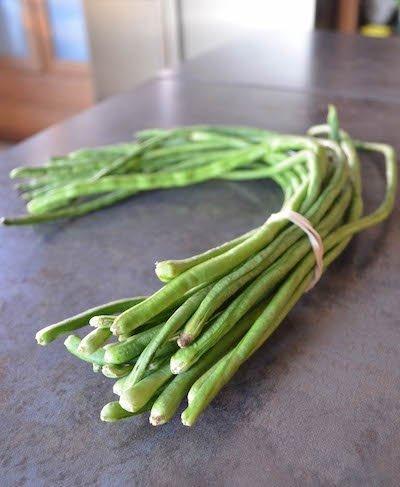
{"x":123,"y":352}
{"x":116,"y":371}
{"x":94,"y":340}
{"x":113,"y":412}
{"x":72,"y":344}
{"x":51,"y":332}
{"x":134,"y":398}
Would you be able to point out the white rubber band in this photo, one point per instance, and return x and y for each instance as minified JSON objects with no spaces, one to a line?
{"x":312,"y":234}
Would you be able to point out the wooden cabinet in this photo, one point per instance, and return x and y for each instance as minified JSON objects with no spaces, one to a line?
{"x":44,"y":64}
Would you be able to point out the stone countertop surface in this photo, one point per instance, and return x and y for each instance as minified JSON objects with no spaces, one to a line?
{"x":318,"y":404}
{"x":318,"y":61}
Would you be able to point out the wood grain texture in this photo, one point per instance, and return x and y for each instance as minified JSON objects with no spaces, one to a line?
{"x":20,"y":119}
{"x":30,"y":102}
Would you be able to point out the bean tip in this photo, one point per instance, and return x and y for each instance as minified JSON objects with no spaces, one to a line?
{"x":93,"y":321}
{"x":40,"y":339}
{"x":157,"y":420}
{"x":116,"y":329}
{"x":126,"y":404}
{"x":176,"y":366}
{"x":184,"y":340}
{"x":14,"y":172}
{"x":185,"y":420}
{"x":163,"y":271}
{"x":105,"y":415}
{"x":117,"y":389}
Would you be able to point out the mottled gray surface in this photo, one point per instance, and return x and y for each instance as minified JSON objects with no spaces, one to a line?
{"x":318,"y":405}
{"x":317,"y":61}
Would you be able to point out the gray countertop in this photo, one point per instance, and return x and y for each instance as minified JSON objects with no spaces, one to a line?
{"x":317,"y":61}
{"x":319,"y":404}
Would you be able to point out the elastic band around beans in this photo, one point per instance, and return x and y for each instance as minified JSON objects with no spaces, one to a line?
{"x":314,"y":237}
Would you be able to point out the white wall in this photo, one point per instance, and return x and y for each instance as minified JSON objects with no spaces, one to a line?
{"x":207,"y":24}
{"x":126,"y":41}
{"x":133,"y":40}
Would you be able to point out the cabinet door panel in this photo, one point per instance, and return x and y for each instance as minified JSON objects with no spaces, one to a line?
{"x":19,"y":46}
{"x":68,"y":30}
{"x":13,"y":39}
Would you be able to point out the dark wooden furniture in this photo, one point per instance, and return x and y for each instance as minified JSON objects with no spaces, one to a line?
{"x":317,"y":405}
{"x":348,"y":16}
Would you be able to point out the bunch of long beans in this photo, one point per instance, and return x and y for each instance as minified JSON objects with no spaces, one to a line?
{"x":91,"y":179}
{"x":217,"y":308}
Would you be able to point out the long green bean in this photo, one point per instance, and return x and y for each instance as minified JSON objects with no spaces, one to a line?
{"x":116,"y":371}
{"x":94,"y":340}
{"x":72,"y":343}
{"x":72,"y":211}
{"x":169,"y":269}
{"x":113,"y":411}
{"x":139,"y":182}
{"x":51,"y":332}
{"x":122,"y":352}
{"x":135,"y":397}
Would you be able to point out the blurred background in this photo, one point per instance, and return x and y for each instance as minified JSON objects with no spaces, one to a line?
{"x":58,"y":57}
